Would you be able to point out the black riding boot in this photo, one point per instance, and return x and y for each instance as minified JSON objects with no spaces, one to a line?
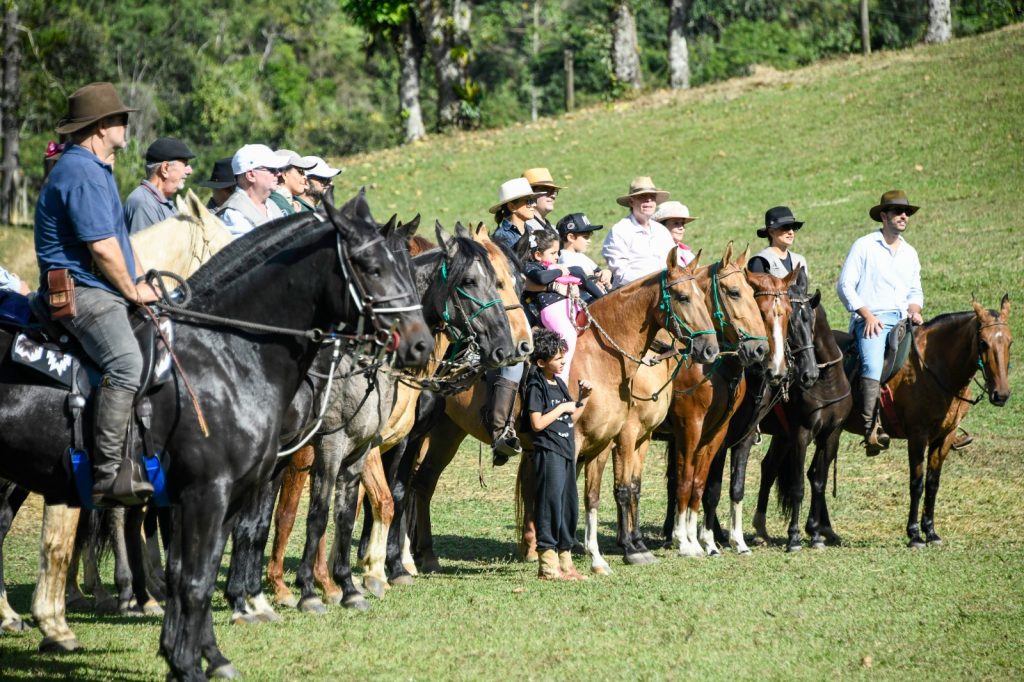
{"x":504,"y":442}
{"x":114,"y":484}
{"x":875,"y":439}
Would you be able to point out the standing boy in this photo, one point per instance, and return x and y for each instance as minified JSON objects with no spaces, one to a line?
{"x":552,"y":415}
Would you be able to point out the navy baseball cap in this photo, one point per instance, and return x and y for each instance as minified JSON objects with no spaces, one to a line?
{"x":576,"y":223}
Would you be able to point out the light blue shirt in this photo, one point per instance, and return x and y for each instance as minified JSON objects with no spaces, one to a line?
{"x":9,"y":282}
{"x":876,"y":278}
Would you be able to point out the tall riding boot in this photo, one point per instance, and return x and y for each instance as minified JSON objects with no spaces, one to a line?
{"x":114,"y":484}
{"x":504,"y":442}
{"x":875,"y":439}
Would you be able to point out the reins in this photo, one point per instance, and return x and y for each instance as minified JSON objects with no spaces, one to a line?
{"x":974,"y":377}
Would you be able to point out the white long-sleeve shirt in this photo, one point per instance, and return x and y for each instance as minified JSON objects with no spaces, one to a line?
{"x":633,"y":251}
{"x":875,"y":277}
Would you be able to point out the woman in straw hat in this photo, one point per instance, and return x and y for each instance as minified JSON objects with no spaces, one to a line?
{"x":516,"y":200}
{"x":637,"y":245}
{"x":675,"y":216}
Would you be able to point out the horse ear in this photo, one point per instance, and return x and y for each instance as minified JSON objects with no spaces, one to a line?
{"x":388,"y":228}
{"x":480,"y":229}
{"x":195,"y":203}
{"x":727,"y":256}
{"x":801,"y":280}
{"x":792,"y":276}
{"x":742,"y":262}
{"x":695,"y":263}
{"x":180,"y":204}
{"x":672,"y":260}
{"x":461,"y":231}
{"x":338,"y":217}
{"x":358,"y":210}
{"x":1004,"y":308}
{"x":443,"y":238}
{"x":816,"y":299}
{"x":408,"y":229}
{"x":979,"y":309}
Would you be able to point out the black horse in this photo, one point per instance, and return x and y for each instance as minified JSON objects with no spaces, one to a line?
{"x":812,"y":414}
{"x":280,"y":287}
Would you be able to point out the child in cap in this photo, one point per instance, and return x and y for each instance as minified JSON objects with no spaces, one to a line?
{"x":675,"y":216}
{"x":552,"y":415}
{"x":575,"y":232}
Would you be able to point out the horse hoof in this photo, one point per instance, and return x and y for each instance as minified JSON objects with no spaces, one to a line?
{"x":637,"y":559}
{"x":51,"y":645}
{"x":289,"y":601}
{"x":651,"y":558}
{"x":152,"y":608}
{"x":917,"y":543}
{"x":225,"y":672}
{"x":375,"y":586}
{"x":403,"y":580}
{"x":312,"y":605}
{"x":793,"y":549}
{"x":268,"y":617}
{"x":14,"y":625}
{"x":531,"y":557}
{"x":78,"y":603}
{"x":818,"y":545}
{"x":743,"y":551}
{"x":935,"y":541}
{"x":334,"y":598}
{"x":357,"y":602}
{"x":602,"y":569}
{"x":239,"y":618}
{"x":411,"y":569}
{"x":759,"y":541}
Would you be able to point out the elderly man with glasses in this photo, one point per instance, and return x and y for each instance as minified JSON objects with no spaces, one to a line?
{"x":256,"y":170}
{"x":167,"y":168}
{"x":637,"y":245}
{"x":880,"y":284}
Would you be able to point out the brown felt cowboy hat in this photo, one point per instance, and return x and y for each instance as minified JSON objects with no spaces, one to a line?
{"x":895,"y":198}
{"x":89,"y":104}
{"x":642,"y":184}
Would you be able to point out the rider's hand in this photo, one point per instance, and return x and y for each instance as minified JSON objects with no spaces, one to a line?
{"x":872,"y":326}
{"x":605,"y":278}
{"x":145,"y":293}
{"x":915,"y":317}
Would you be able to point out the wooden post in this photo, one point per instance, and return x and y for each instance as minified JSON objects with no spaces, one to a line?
{"x":865,"y":30}
{"x":570,"y":86}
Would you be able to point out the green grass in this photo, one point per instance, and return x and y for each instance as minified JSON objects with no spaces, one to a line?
{"x":943,"y":123}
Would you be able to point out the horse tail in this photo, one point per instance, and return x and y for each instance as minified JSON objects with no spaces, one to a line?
{"x":784,"y":481}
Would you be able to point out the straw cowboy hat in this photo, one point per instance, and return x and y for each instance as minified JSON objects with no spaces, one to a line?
{"x":642,"y":184}
{"x":512,"y":190}
{"x":541,"y":177}
{"x":673,"y":209}
{"x":776,"y":218}
{"x":894,"y":198}
{"x":90,"y":104}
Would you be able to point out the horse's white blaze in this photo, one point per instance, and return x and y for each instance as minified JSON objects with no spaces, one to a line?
{"x":780,"y":345}
{"x":736,"y":540}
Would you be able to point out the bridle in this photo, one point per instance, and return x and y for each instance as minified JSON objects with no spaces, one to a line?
{"x":985,"y":388}
{"x":467,"y":337}
{"x":742,"y":335}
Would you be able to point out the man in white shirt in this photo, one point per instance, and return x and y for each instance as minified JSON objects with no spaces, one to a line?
{"x":256,"y":170}
{"x":637,"y":245}
{"x":880,"y":284}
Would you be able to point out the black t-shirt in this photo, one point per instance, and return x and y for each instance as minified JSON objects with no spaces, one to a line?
{"x":542,"y":397}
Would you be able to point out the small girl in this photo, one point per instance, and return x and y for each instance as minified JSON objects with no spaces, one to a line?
{"x":557,"y":311}
{"x":552,"y":415}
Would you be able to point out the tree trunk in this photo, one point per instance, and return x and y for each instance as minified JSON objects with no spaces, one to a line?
{"x":447,"y":34}
{"x":534,"y":52}
{"x":9,"y":100}
{"x":410,"y":55}
{"x":940,"y":22}
{"x":678,"y":52}
{"x":625,"y":52}
{"x":865,"y":28}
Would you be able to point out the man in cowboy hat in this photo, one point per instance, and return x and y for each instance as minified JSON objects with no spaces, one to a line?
{"x":167,"y":167}
{"x":256,"y":170}
{"x":222,"y":182}
{"x":880,"y":284}
{"x":320,"y":178}
{"x":544,"y":185}
{"x":80,"y":231}
{"x":291,"y":182}
{"x":637,"y":245}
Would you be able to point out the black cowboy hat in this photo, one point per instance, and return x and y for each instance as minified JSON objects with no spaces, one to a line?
{"x":90,"y":104}
{"x":777,"y":217}
{"x":221,"y":177}
{"x":894,"y":198}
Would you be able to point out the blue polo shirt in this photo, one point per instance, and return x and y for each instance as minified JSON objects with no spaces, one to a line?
{"x":78,"y":204}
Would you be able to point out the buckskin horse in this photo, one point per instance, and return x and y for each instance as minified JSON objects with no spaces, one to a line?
{"x":623,"y":326}
{"x":270,"y":294}
{"x":816,"y":413}
{"x":931,"y":396}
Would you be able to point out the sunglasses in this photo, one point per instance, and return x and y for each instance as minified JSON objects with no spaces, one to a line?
{"x":272,"y":171}
{"x":548,"y":192}
{"x":894,"y":212}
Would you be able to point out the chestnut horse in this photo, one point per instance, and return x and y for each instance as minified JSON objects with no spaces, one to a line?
{"x":931,"y":395}
{"x":623,"y":326}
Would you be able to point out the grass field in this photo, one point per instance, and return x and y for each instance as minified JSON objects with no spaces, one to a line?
{"x":943,"y":123}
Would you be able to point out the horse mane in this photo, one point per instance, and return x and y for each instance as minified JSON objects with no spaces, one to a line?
{"x":419,"y":245}
{"x":956,"y":317}
{"x":458,"y":264}
{"x":251,"y":250}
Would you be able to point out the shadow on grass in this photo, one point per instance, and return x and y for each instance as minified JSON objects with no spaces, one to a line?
{"x":80,"y":665}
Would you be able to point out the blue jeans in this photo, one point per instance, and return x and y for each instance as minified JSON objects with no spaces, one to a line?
{"x":872,"y":351}
{"x":103,"y":329}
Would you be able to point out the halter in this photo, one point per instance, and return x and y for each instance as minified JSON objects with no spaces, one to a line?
{"x":980,"y":363}
{"x":741,"y":333}
{"x":454,"y":336}
{"x":665,"y":305}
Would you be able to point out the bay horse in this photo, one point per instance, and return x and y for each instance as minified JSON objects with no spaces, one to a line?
{"x":270,"y":293}
{"x":931,"y":395}
{"x":609,"y":352}
{"x":813,"y":414}
{"x":788,"y":311}
{"x":383,"y":508}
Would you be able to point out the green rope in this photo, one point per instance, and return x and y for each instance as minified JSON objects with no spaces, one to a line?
{"x":741,"y":333}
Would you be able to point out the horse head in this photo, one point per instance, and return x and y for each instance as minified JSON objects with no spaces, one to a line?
{"x":376,"y":285}
{"x":510,"y":288}
{"x":800,"y":333}
{"x":772,"y":296}
{"x":684,"y":310}
{"x":731,"y":298}
{"x":468,"y":299}
{"x":994,"y":341}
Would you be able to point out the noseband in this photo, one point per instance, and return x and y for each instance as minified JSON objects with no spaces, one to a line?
{"x":741,"y":334}
{"x":681,"y":330}
{"x":468,"y":336}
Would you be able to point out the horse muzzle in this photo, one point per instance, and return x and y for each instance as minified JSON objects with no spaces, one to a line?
{"x":998,"y":398}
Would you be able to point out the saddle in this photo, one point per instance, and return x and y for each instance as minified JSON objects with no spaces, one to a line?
{"x":897,"y":350}
{"x":42,"y":352}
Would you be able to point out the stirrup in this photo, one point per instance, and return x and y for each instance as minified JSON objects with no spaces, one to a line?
{"x":963,"y":441}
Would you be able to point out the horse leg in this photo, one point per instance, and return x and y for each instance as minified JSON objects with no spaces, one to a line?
{"x":346,"y":504}
{"x":445,"y":438}
{"x":398,"y":466}
{"x":936,"y":456}
{"x":326,"y":468}
{"x":74,"y":598}
{"x":687,"y":436}
{"x":383,"y":511}
{"x":635,"y":486}
{"x":258,"y":602}
{"x":194,"y":555}
{"x":916,"y":461}
{"x":55,"y":548}
{"x":136,"y":560}
{"x":156,"y":584}
{"x":739,"y":457}
{"x":593,"y":471}
{"x":793,"y":454}
{"x":115,"y":526}
{"x":712,"y":495}
{"x":769,"y":473}
{"x":671,"y":481}
{"x":526,"y":489}
{"x":825,"y":453}
{"x":11,"y":498}
{"x":293,"y":480}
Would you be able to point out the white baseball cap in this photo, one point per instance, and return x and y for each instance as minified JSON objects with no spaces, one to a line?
{"x":319,"y":169}
{"x":295,"y":160}
{"x":256,"y":156}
